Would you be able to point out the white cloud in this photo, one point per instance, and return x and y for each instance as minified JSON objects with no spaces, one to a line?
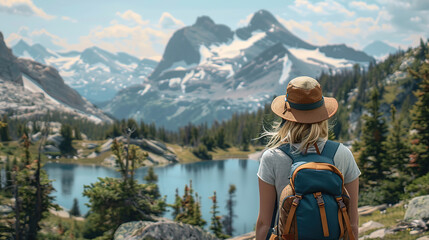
{"x":246,"y":21}
{"x":364,"y":6}
{"x":304,"y":30}
{"x":23,"y":7}
{"x":325,"y":7}
{"x":65,"y":18}
{"x":167,"y":21}
{"x":129,"y":15}
{"x":41,"y":36}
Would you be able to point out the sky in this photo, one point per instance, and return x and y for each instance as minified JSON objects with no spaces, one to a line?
{"x":142,"y":28}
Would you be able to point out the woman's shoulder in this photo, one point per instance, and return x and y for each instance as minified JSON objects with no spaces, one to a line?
{"x":273,"y":154}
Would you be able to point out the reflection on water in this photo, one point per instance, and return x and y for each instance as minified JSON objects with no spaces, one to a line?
{"x":207,"y":176}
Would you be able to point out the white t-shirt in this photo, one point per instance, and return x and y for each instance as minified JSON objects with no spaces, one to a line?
{"x":275,"y":165}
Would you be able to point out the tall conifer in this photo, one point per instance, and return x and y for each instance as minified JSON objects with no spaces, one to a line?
{"x":371,"y":144}
{"x":420,"y":122}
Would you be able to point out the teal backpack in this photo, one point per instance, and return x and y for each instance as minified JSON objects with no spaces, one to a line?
{"x":314,"y":205}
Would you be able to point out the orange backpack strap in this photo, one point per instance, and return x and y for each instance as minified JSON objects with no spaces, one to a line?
{"x":324,"y":220}
{"x":291,"y":215}
{"x":343,"y":208}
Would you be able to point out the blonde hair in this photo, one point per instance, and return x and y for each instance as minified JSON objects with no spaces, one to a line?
{"x":292,"y":132}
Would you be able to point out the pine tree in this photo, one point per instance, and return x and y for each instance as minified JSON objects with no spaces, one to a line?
{"x":177,"y":205}
{"x":66,"y":146}
{"x":230,"y":203}
{"x":216,"y":225}
{"x":151,"y":177}
{"x":74,"y":211}
{"x":371,"y":143}
{"x":77,"y":135}
{"x":4,"y":130}
{"x":396,"y":146}
{"x":420,"y":122}
{"x":197,"y":218}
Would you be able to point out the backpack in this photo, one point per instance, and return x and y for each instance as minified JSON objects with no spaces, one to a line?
{"x":314,"y":205}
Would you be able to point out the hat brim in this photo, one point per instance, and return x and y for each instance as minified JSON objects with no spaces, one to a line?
{"x":327,"y":110}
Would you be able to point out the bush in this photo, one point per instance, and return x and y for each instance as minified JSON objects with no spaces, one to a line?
{"x":202,"y":152}
{"x":418,"y":187}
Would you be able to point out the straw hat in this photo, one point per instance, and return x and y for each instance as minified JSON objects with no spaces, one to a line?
{"x":304,"y":102}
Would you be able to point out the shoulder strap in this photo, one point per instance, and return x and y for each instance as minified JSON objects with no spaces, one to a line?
{"x":286,"y":149}
{"x":330,"y":149}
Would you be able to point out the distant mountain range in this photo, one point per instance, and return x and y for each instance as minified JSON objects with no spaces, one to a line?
{"x":207,"y":71}
{"x":29,"y":88}
{"x":95,"y":73}
{"x":379,"y":49}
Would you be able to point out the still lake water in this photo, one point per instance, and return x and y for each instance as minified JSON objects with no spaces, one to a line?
{"x":207,"y":176}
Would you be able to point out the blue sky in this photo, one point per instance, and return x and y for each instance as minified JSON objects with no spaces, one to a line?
{"x":142,"y":28}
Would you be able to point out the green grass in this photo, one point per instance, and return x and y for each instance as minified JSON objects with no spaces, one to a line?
{"x":389,"y":219}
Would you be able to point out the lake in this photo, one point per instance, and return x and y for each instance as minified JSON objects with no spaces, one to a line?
{"x":207,"y":176}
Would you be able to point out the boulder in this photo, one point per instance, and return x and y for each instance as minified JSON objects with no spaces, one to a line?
{"x":92,"y":155}
{"x":36,"y":137}
{"x":423,"y":238}
{"x":56,"y":139}
{"x":369,"y":226}
{"x":418,"y":208}
{"x":91,"y":145}
{"x":106,"y":146}
{"x":167,"y":230}
{"x":51,"y":148}
{"x":366,"y":210}
{"x":378,"y":234}
{"x":110,"y":161}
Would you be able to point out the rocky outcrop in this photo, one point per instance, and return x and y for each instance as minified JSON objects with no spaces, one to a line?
{"x":367,"y":210}
{"x":158,"y":153}
{"x":418,"y":208}
{"x":30,"y":88}
{"x":166,"y":230}
{"x":369,"y":226}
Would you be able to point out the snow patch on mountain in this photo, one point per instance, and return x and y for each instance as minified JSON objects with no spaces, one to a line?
{"x":287,"y":67}
{"x":228,"y":50}
{"x":32,"y":86}
{"x":319,"y":58}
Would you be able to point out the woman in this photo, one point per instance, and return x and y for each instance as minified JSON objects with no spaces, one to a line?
{"x":305,"y":113}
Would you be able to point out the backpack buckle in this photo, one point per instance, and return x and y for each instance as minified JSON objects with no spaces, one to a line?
{"x":341,"y":203}
{"x":296,"y":200}
{"x":319,"y":198}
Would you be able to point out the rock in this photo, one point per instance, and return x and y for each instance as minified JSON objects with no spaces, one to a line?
{"x":92,"y":155}
{"x":110,"y":161}
{"x":51,"y":148}
{"x":415,"y":232}
{"x":56,"y":139}
{"x":366,"y":210}
{"x":91,"y":145}
{"x":370,"y":225}
{"x":423,"y":238}
{"x":247,"y":236}
{"x":5,"y":209}
{"x":167,"y":230}
{"x":106,"y":146}
{"x":378,"y":234}
{"x":36,"y":137}
{"x":418,"y":208}
{"x":418,"y":224}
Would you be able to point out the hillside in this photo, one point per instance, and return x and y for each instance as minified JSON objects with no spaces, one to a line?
{"x":30,"y":88}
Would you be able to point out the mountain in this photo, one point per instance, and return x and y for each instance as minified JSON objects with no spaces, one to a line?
{"x":379,"y":49}
{"x":208,"y":71}
{"x":30,"y":88}
{"x":95,"y":73}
